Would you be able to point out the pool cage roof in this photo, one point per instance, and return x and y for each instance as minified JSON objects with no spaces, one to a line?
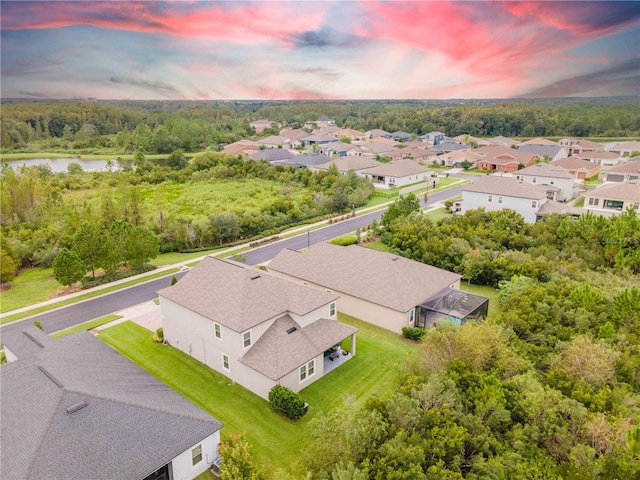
{"x":458,"y":304}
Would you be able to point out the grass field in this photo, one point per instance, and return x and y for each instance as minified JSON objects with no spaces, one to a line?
{"x":91,"y":324}
{"x":489,"y":292}
{"x":31,"y":286}
{"x":276,"y":441}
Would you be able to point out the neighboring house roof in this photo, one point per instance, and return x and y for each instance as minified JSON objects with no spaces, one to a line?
{"x":293,"y":135}
{"x":272,"y":154}
{"x":326,"y":130}
{"x":318,"y":138}
{"x":273,"y":140}
{"x":588,"y":144}
{"x":306,"y":160}
{"x":508,"y":187}
{"x":575,"y":163}
{"x":551,"y":206}
{"x":464,"y":138}
{"x":240,"y":146}
{"x":348,"y":132}
{"x":340,"y":147}
{"x":261,"y":122}
{"x":76,"y":408}
{"x":400,"y":134}
{"x":462,"y":155}
{"x":598,"y":154}
{"x":344,"y":164}
{"x":376,"y":132}
{"x":626,"y":167}
{"x":623,"y":191}
{"x":545,"y":170}
{"x":631,"y":146}
{"x":324,"y":119}
{"x":415,"y":153}
{"x":240,"y":297}
{"x":448,"y":147}
{"x":278,"y":352}
{"x":499,"y":155}
{"x":398,"y":168}
{"x":504,"y":141}
{"x":540,"y":141}
{"x":377,"y":277}
{"x":541,"y":150}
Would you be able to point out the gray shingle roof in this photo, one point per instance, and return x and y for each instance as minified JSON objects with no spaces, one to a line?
{"x":399,"y":168}
{"x":344,"y":164}
{"x":507,"y":186}
{"x":272,"y":154}
{"x":623,"y":191}
{"x":572,"y":163}
{"x":241,"y":297}
{"x":131,"y":426}
{"x":378,"y":277}
{"x":626,"y":167}
{"x":277,"y":352}
{"x":540,"y":150}
{"x":545,"y":170}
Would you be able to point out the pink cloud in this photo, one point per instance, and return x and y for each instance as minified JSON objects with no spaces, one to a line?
{"x":243,"y":23}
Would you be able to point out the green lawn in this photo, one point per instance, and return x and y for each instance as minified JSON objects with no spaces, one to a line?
{"x":276,"y":442}
{"x":91,"y":324}
{"x":489,"y":292}
{"x":31,"y":286}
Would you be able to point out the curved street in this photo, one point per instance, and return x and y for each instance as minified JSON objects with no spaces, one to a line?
{"x":74,"y":314}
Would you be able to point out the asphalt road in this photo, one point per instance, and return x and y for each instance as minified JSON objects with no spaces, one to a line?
{"x":65,"y":317}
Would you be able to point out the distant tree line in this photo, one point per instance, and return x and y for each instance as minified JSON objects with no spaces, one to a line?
{"x":162,"y":127}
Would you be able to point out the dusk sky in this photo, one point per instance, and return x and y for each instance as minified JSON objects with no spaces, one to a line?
{"x":319,"y":50}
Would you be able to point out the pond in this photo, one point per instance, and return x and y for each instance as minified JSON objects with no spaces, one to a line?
{"x":61,"y":164}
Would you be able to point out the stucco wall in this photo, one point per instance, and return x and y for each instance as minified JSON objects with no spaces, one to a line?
{"x":292,"y":379}
{"x":182,"y":466}
{"x":473,"y":200}
{"x":564,"y":184}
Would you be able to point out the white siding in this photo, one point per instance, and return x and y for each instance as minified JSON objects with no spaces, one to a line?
{"x":473,"y":200}
{"x":182,"y":467}
{"x":566,"y":185}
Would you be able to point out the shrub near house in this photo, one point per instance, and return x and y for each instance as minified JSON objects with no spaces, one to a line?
{"x":286,"y":402}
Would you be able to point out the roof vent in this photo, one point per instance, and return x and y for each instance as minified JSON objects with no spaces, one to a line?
{"x":75,"y":407}
{"x":51,"y":377}
{"x":253,"y":277}
{"x":394,"y":259}
{"x":291,"y":330}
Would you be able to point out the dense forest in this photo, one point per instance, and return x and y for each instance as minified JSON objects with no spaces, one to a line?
{"x":548,"y":388}
{"x":162,"y":127}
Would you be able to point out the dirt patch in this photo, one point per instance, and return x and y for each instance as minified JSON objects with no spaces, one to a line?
{"x":66,"y":290}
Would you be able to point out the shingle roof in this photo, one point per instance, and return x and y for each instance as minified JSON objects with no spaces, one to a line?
{"x":545,"y":170}
{"x":540,"y":150}
{"x":272,"y":154}
{"x":344,"y":164}
{"x":574,"y":163}
{"x":448,"y":147}
{"x":399,"y":168}
{"x":131,"y":426}
{"x":241,"y":297}
{"x":507,"y":186}
{"x":551,"y":206}
{"x":376,"y":132}
{"x":306,"y":160}
{"x":627,"y":167}
{"x":623,"y":191}
{"x":378,"y":277}
{"x":540,"y":141}
{"x":277,"y":352}
{"x":601,"y":154}
{"x":503,"y":155}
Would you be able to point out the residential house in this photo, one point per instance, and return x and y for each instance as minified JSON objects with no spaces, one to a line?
{"x":625,"y":149}
{"x":400,"y":136}
{"x":497,"y":193}
{"x":253,"y":327}
{"x":246,"y":147}
{"x":381,"y":288}
{"x":354,"y":135}
{"x":313,"y":139}
{"x":579,"y":168}
{"x":433,"y":137}
{"x":471,"y":140}
{"x":539,"y":141}
{"x":418,"y":155}
{"x":552,"y":152}
{"x":398,"y":173}
{"x":326,"y":131}
{"x":501,"y":141}
{"x":340,"y":149}
{"x":503,"y":159}
{"x":294,"y":137}
{"x":274,"y":141}
{"x":457,"y":158}
{"x":344,"y":164}
{"x":260,"y":125}
{"x":448,"y":146}
{"x":612,"y":199}
{"x":606,"y":160}
{"x":307,"y":160}
{"x":561,"y":185}
{"x":579,"y":146}
{"x":623,"y":172}
{"x":75,"y":408}
{"x":376,"y":132}
{"x":272,"y":155}
{"x":325,"y":122}
{"x":376,"y":148}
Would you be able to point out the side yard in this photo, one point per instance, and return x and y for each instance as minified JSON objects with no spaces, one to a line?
{"x":275,"y":440}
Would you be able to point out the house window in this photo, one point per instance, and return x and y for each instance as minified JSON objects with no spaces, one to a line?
{"x":225,"y":362}
{"x":534,"y":179}
{"x":307,"y":370}
{"x":246,"y":339}
{"x":332,"y":309}
{"x":196,"y":455}
{"x":412,"y":315}
{"x":499,"y":199}
{"x":216,"y":329}
{"x":490,"y":198}
{"x":594,"y":201}
{"x":534,"y":204}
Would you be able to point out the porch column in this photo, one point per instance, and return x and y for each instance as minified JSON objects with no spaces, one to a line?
{"x":353,"y":344}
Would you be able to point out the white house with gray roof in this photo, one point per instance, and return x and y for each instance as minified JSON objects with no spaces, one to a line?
{"x":613,"y":198}
{"x":74,"y":408}
{"x":396,"y":174}
{"x":497,"y":193}
{"x":381,"y":288}
{"x":253,"y":327}
{"x":561,"y":185}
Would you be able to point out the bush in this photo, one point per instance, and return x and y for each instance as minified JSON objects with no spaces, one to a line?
{"x":286,"y":402}
{"x":89,"y":282}
{"x":345,"y":241}
{"x":416,"y":333}
{"x":158,"y":337}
